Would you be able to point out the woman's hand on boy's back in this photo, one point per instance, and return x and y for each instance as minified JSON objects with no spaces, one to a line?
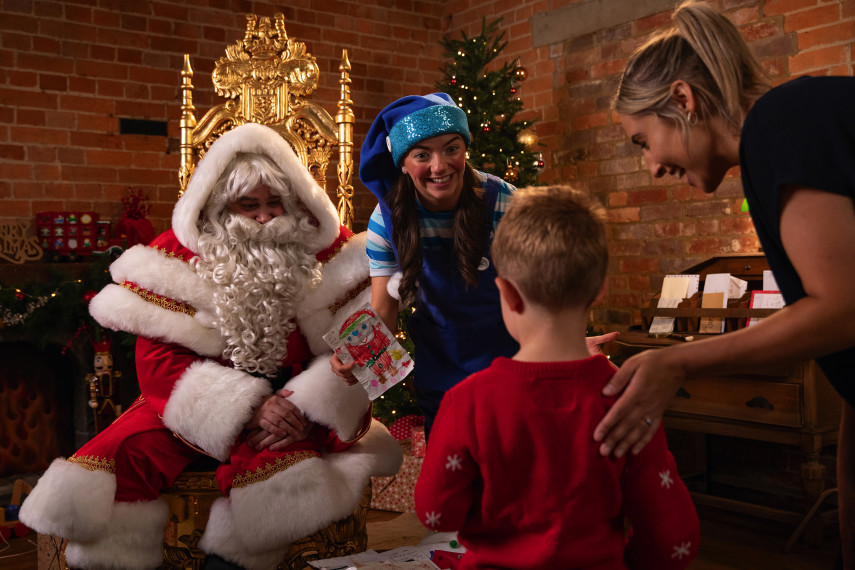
{"x":651,"y":380}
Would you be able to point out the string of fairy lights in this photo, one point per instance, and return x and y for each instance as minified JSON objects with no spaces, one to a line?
{"x":470,"y":57}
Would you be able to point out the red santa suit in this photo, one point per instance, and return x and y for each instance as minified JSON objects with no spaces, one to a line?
{"x":105,"y":498}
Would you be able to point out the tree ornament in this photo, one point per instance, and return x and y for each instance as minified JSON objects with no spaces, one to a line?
{"x":511,"y":173}
{"x":88,"y":296}
{"x":539,"y":164}
{"x":528,"y":138}
{"x":487,"y":93}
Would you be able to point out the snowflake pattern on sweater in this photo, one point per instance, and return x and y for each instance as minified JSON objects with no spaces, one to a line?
{"x":512,"y":466}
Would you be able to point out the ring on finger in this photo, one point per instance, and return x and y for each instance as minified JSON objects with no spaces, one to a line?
{"x":648,"y":420}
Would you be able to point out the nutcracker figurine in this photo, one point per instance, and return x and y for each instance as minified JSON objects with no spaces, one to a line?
{"x":103,"y":387}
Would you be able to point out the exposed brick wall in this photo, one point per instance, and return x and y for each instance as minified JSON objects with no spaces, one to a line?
{"x":70,"y":69}
{"x":661,"y":226}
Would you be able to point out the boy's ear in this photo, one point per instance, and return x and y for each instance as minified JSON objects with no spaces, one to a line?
{"x":602,"y":294}
{"x":510,"y":295}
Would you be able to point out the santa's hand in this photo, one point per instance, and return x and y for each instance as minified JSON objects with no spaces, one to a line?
{"x":261,"y":439}
{"x":278,"y":416}
{"x":343,"y":371}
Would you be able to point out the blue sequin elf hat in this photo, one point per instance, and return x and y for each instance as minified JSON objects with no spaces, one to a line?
{"x":398,"y":128}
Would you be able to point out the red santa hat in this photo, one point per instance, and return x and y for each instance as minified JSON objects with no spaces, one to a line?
{"x":256,"y":139}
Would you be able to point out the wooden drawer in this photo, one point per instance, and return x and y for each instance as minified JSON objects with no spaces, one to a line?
{"x":774,"y":403}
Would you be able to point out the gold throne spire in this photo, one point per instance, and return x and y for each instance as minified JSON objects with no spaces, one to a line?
{"x":266,"y":78}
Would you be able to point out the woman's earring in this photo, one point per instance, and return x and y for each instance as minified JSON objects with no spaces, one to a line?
{"x":692,"y":117}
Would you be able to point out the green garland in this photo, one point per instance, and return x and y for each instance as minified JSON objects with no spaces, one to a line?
{"x":57,"y":310}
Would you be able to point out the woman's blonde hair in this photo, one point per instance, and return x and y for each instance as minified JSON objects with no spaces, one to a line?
{"x":704,"y":49}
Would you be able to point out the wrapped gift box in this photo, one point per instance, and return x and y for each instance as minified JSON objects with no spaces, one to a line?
{"x":51,"y":551}
{"x":395,"y":493}
{"x":419,"y":444}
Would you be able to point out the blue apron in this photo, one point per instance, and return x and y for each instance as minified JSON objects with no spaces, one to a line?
{"x":457,"y":331}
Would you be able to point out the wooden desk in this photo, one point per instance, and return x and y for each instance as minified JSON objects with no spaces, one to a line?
{"x":795,"y":406}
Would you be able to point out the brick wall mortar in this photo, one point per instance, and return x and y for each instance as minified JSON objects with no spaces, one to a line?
{"x":74,"y":70}
{"x":70,"y":71}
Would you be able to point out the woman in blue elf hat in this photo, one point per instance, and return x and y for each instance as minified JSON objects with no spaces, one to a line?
{"x":429,"y":240}
{"x":429,"y":243}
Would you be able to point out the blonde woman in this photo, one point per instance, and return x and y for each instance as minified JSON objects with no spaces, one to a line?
{"x":696,"y":103}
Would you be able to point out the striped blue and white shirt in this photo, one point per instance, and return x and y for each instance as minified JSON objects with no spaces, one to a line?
{"x":435,"y":230}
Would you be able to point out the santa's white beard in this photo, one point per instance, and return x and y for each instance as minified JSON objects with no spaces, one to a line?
{"x":259,"y":272}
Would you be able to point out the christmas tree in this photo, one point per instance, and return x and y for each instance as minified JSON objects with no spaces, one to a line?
{"x":500,"y":145}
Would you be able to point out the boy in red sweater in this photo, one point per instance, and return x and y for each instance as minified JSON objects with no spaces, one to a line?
{"x":511,"y":464}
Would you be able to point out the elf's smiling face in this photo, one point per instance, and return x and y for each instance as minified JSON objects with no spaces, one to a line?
{"x":436,"y":166}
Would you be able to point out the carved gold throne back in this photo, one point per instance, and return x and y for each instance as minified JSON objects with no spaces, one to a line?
{"x":266,"y":78}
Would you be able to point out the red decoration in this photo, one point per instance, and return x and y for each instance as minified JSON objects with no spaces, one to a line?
{"x":454,"y":80}
{"x":19,"y":295}
{"x":402,"y":428}
{"x":419,"y":445}
{"x":134,"y":226}
{"x":513,"y":90}
{"x":89,"y":295}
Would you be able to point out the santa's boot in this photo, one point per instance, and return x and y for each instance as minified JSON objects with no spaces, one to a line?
{"x":133,"y":539}
{"x":224,"y":550}
{"x":70,"y":501}
{"x":76,"y":501}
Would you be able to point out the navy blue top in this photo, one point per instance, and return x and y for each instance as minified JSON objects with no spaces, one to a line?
{"x":800,"y":133}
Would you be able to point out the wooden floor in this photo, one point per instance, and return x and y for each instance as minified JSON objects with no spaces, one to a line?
{"x":728,"y":543}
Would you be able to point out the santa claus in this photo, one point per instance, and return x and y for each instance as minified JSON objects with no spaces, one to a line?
{"x":229,"y":308}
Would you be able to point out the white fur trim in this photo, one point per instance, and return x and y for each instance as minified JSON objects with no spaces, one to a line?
{"x":118,"y":308}
{"x":211,"y":404}
{"x":326,"y":399}
{"x":70,"y":501}
{"x":252,"y":138}
{"x":313,"y":493}
{"x":341,"y":275}
{"x":133,"y":540}
{"x":376,"y":453}
{"x":393,"y":284}
{"x":161,"y":274}
{"x":220,"y":538}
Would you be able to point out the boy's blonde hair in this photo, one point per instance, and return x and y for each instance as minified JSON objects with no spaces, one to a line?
{"x":551,"y":243}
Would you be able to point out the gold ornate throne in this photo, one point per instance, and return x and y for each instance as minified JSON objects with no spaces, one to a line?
{"x":266,"y":78}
